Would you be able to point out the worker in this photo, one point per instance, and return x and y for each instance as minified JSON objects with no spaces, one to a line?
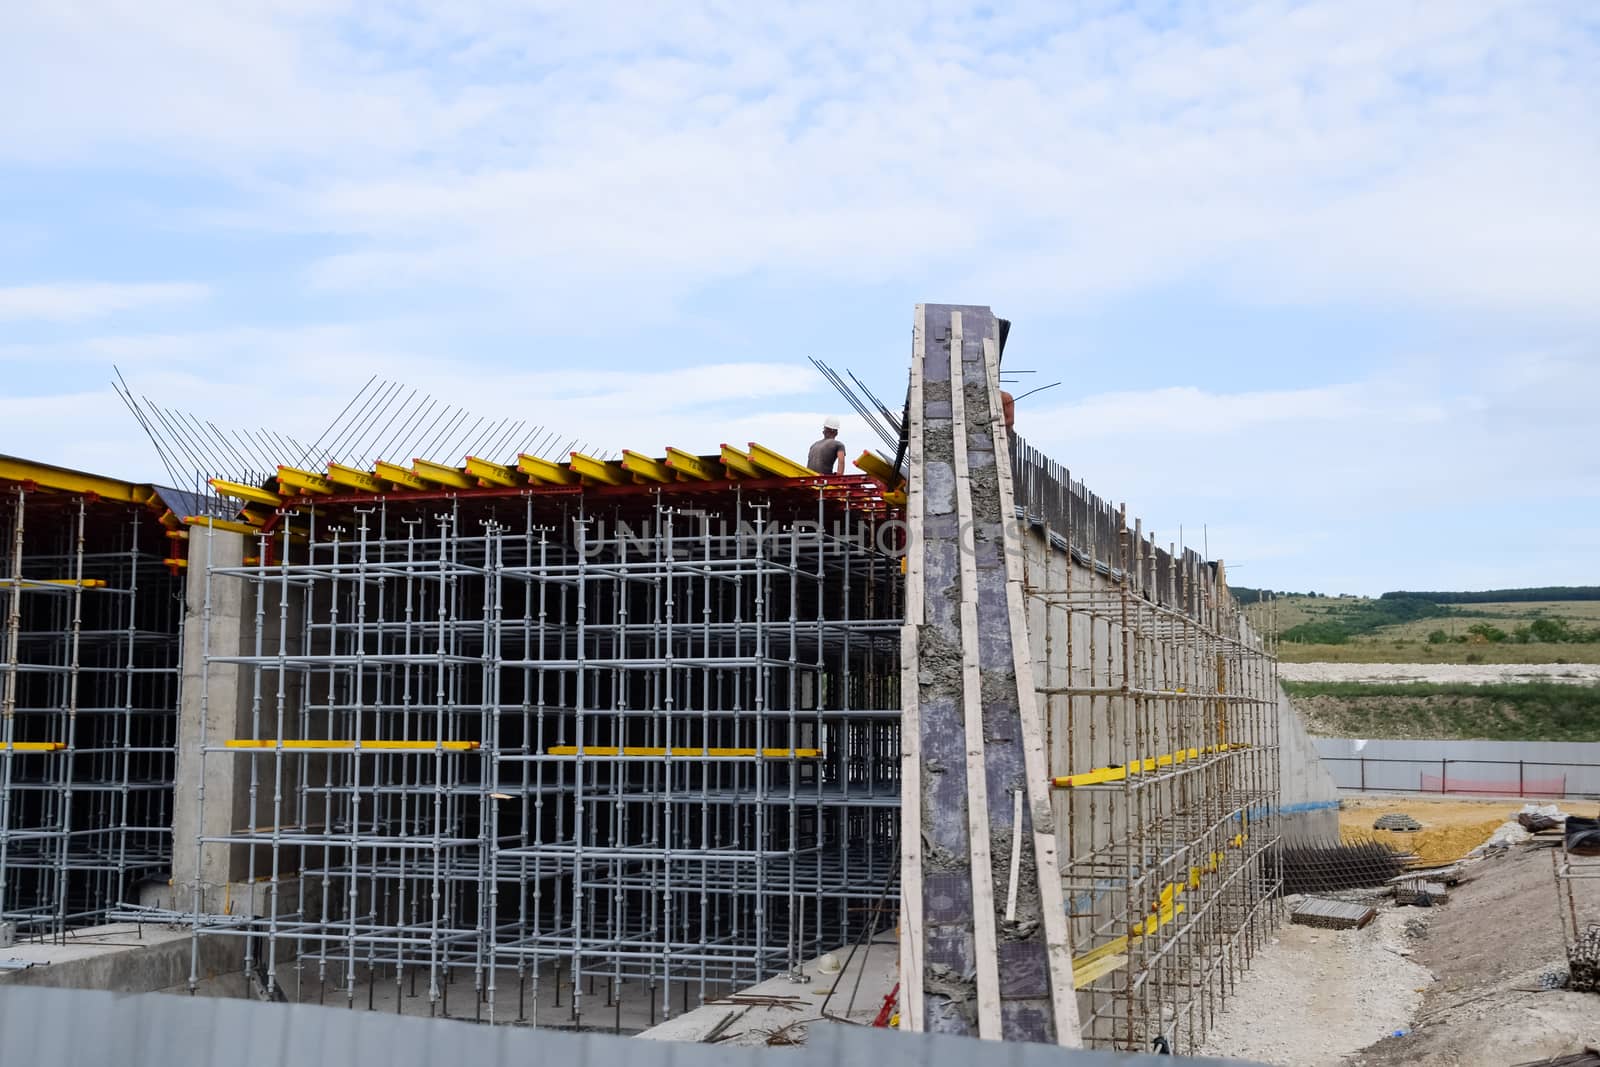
{"x":827,"y":455}
{"x":1008,"y":407}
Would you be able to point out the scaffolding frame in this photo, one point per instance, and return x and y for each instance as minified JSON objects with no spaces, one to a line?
{"x":648,"y":740}
{"x":89,"y":650}
{"x":1162,"y":704}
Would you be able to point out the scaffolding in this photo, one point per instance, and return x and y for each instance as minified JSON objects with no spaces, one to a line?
{"x":89,"y":633}
{"x":645,"y":738}
{"x":1162,"y":705}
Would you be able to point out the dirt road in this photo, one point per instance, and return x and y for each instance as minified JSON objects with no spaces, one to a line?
{"x":1441,"y":673}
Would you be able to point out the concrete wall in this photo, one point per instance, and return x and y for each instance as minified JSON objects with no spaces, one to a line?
{"x":1069,"y":646}
{"x":1308,"y":797}
{"x":122,"y":957}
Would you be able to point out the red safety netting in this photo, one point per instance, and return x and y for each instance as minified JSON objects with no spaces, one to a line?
{"x":1500,"y":787}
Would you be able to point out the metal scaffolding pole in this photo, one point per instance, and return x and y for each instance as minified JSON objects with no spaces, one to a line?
{"x":605,"y":750}
{"x":88,"y":701}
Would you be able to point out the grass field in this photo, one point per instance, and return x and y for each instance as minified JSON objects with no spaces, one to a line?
{"x":1531,"y":711}
{"x":1373,"y":650}
{"x":1407,"y":642}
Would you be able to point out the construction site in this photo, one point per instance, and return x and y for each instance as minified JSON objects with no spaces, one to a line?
{"x":552,"y":737}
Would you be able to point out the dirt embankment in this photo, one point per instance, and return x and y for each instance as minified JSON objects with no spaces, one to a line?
{"x":1461,"y":983}
{"x":1441,"y":673}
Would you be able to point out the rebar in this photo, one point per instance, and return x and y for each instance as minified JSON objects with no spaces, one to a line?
{"x":1161,"y":703}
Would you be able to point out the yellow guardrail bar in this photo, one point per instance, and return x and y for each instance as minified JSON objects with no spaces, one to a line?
{"x":336,"y":745}
{"x":1117,"y":772}
{"x":692,"y":753}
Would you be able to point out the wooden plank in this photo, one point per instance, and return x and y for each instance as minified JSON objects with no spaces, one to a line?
{"x":911,"y":884}
{"x":1047,"y":860}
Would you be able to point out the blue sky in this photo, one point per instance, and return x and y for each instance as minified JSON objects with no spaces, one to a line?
{"x":1320,"y":279}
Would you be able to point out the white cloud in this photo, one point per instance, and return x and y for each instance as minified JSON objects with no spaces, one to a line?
{"x":1430,"y":154}
{"x":90,"y":300}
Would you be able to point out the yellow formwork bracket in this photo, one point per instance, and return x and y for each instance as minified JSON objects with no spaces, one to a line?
{"x":401,"y":476}
{"x":874,"y":465}
{"x":222,"y":524}
{"x":251,"y":493}
{"x":599,"y":470}
{"x":439,"y":474}
{"x":738,"y":464}
{"x":303,"y":481}
{"x":33,"y":746}
{"x":353,"y":478}
{"x":546,"y":471}
{"x":781,"y":465}
{"x":689,"y":465}
{"x":494,"y":473}
{"x":645,"y":468}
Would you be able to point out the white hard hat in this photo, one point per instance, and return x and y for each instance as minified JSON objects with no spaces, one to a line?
{"x":831,"y":422}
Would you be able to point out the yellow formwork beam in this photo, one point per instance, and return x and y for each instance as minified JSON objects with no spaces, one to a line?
{"x":738,"y":463}
{"x":690,"y":753}
{"x":774,"y":463}
{"x":250,"y":493}
{"x":33,"y":746}
{"x":689,"y":465}
{"x":63,"y":480}
{"x":254,"y":744}
{"x":301,"y":482}
{"x":439,"y":474}
{"x":896,"y":498}
{"x":401,"y":476}
{"x":599,"y":470}
{"x":353,"y":478}
{"x":222,"y":524}
{"x":874,"y":465}
{"x":1117,"y":772}
{"x":645,"y":468}
{"x":546,"y":471}
{"x":494,"y":473}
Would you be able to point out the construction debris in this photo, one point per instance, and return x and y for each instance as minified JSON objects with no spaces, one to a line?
{"x":1421,"y":893}
{"x":1583,"y":836}
{"x":1396,"y":820}
{"x":1583,"y":962}
{"x":1589,"y":1057}
{"x":1332,"y":914}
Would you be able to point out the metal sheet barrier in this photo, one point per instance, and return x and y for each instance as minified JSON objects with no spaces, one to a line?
{"x":60,"y":1027}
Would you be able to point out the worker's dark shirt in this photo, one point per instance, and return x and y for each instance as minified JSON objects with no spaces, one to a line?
{"x":824,"y":455}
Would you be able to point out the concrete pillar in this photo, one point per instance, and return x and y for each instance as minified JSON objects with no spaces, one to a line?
{"x":213,"y":706}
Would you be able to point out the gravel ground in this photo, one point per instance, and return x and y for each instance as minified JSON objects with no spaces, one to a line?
{"x":1316,"y":996}
{"x":1468,"y":673}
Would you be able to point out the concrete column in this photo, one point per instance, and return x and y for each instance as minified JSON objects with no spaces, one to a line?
{"x":214,"y":705}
